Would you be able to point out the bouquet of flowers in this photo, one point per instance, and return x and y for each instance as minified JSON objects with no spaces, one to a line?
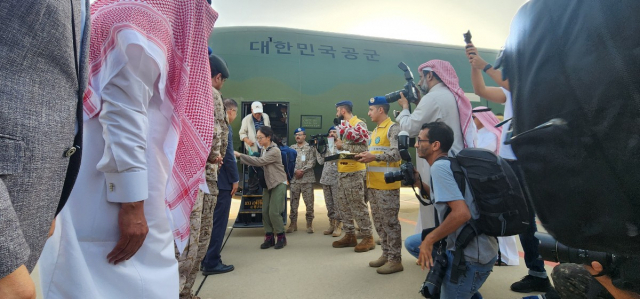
{"x":355,"y":134}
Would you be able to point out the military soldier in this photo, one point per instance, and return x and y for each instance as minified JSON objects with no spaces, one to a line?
{"x":351,"y":175}
{"x":384,"y":156}
{"x":201,"y":219}
{"x":329,"y":181}
{"x":302,"y":181}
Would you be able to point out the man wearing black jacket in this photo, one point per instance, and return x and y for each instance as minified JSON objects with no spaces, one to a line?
{"x":228,"y":185}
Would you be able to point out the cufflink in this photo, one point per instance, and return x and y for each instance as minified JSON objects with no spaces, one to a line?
{"x":111,"y":187}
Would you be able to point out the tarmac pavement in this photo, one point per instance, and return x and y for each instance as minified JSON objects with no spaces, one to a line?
{"x":309,"y":267}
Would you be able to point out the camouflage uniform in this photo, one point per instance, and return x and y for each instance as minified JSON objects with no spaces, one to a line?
{"x":305,"y":161}
{"x":221,"y":131}
{"x":351,"y":193}
{"x":574,"y":281}
{"x":329,"y":181}
{"x":187,"y":260}
{"x":385,"y":205}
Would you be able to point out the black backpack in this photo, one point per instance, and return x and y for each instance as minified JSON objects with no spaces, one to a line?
{"x":495,"y":189}
{"x":578,"y":63}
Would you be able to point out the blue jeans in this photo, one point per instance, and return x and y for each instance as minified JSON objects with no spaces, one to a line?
{"x":469,"y":282}
{"x":412,"y":244}
{"x":529,"y":242}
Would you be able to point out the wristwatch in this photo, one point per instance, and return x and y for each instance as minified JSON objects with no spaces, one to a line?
{"x":487,"y":67}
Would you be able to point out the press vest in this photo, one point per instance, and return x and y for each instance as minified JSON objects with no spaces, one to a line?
{"x":378,"y":144}
{"x":348,"y":165}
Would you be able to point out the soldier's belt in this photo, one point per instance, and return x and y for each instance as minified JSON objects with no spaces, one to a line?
{"x":341,"y":156}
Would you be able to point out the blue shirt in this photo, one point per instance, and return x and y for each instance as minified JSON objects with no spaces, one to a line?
{"x":258,"y":123}
{"x":445,"y":189}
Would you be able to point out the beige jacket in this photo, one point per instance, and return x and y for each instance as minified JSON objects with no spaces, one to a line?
{"x":271,"y":162}
{"x":247,"y":129}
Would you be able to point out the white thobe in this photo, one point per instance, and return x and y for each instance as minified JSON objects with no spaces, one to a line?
{"x":487,"y":140}
{"x":123,"y":160}
{"x":439,"y":104}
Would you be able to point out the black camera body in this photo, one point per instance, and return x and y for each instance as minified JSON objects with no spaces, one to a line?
{"x":405,"y":174}
{"x":318,"y":141}
{"x":409,"y":90}
{"x":623,"y":270}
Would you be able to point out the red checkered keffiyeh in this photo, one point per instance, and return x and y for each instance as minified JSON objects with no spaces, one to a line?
{"x":489,"y":121}
{"x":449,"y":77}
{"x":180,"y":28}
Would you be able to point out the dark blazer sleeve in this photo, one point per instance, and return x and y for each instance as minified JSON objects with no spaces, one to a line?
{"x":229,"y":170}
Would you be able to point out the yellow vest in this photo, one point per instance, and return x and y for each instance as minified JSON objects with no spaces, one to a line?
{"x":378,"y":144}
{"x":348,"y":165}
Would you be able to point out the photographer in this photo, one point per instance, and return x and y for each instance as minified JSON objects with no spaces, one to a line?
{"x":329,"y":181}
{"x":536,"y":279}
{"x":443,"y":101}
{"x":302,"y":181}
{"x":383,"y":156}
{"x":454,"y":210}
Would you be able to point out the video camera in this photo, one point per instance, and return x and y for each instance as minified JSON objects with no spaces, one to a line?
{"x":409,"y":90}
{"x":405,"y":174}
{"x":318,"y":141}
{"x":623,"y":270}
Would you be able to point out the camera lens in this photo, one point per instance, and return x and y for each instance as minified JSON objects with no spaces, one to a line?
{"x":393,"y":176}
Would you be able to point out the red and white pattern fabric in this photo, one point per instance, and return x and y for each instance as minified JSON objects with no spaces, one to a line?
{"x":356,"y":134}
{"x":448,"y":75}
{"x":180,"y":28}
{"x":489,"y":121}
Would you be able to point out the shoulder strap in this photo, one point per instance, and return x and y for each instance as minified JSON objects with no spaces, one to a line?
{"x":458,"y":174}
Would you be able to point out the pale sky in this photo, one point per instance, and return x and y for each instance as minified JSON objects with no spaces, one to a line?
{"x":437,"y":21}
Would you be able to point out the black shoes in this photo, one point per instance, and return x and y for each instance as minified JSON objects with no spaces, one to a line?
{"x":269,"y":241}
{"x":530,"y":284}
{"x":282,"y":241}
{"x":219,"y":269}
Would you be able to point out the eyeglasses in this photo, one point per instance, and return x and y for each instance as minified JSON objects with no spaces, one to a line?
{"x":260,"y":138}
{"x":421,"y":140}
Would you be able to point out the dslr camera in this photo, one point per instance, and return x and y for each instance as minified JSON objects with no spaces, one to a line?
{"x":409,"y":90}
{"x":318,"y":141}
{"x":623,"y":270}
{"x":405,"y":174}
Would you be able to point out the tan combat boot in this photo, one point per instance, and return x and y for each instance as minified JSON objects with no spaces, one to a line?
{"x":349,"y":240}
{"x":379,"y":262}
{"x":390,"y":267}
{"x":292,"y":227}
{"x":332,"y":226}
{"x":310,"y":226}
{"x":337,"y":231}
{"x":365,"y":245}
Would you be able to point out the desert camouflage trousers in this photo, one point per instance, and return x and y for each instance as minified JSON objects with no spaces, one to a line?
{"x":306,"y":189}
{"x":351,"y":202}
{"x":574,"y":281}
{"x":201,"y":225}
{"x":385,"y":206}
{"x":331,"y":201}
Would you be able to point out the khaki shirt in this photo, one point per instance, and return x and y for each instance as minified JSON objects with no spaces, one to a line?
{"x":305,"y":161}
{"x":271,"y":163}
{"x":329,"y":169}
{"x":220,"y":137}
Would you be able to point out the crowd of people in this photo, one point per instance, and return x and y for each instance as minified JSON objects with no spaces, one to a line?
{"x":134,"y":91}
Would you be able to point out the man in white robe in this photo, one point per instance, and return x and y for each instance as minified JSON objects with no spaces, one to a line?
{"x":148,"y":127}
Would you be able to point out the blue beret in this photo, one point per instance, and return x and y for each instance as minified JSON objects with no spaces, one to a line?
{"x":344,"y":103}
{"x":298,"y":130}
{"x":332,"y":129}
{"x":210,"y":50}
{"x":378,"y":101}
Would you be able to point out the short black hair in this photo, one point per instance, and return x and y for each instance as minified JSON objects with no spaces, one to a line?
{"x":385,"y":107}
{"x":346,"y":107}
{"x":267,"y":131}
{"x":439,"y":131}
{"x":230,"y":103}
{"x":218,"y":66}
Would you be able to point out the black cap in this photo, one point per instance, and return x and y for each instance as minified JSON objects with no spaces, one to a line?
{"x":218,"y":66}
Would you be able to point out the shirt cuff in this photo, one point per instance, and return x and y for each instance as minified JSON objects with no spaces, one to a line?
{"x":127,"y":187}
